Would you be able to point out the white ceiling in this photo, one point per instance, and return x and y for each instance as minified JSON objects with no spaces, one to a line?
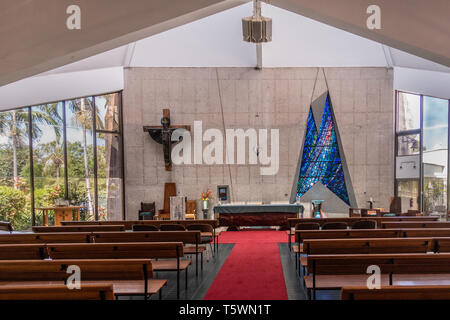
{"x":217,"y":41}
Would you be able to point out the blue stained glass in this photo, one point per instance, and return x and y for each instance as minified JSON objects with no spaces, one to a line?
{"x":321,"y":161}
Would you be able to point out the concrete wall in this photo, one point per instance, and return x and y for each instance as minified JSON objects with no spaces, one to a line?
{"x":271,"y":98}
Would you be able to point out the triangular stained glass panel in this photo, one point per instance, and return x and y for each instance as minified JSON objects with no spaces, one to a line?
{"x":321,"y":161}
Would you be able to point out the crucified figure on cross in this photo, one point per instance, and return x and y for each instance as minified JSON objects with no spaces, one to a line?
{"x":163,"y":135}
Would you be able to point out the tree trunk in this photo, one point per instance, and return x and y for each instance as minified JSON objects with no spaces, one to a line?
{"x":86,"y":163}
{"x":14,"y":147}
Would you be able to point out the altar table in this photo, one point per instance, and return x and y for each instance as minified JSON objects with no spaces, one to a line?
{"x":70,"y":213}
{"x":239,"y":215}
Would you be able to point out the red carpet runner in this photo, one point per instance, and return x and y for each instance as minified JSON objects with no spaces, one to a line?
{"x":253,"y":269}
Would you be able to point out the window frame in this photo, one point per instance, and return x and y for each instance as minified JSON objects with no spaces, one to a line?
{"x":118,"y":132}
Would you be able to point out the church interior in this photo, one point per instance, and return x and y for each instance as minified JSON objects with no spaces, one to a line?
{"x":224,"y":150}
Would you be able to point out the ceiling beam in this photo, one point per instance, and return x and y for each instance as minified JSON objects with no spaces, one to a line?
{"x":419,"y":27}
{"x":34,"y":37}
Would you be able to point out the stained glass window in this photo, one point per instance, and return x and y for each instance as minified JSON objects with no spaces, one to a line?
{"x":321,"y":161}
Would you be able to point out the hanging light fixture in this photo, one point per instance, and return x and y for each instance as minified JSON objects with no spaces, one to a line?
{"x":257,"y":29}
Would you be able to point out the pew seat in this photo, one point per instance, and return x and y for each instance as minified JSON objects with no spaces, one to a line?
{"x":56,"y":292}
{"x":120,"y":287}
{"x":397,"y":293}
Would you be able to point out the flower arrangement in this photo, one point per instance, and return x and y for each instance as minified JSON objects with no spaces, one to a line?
{"x":206,"y":195}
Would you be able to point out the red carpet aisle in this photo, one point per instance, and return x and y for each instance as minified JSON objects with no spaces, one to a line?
{"x":253,"y":269}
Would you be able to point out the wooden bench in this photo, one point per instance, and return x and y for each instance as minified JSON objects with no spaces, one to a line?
{"x":157,"y":223}
{"x":87,"y":228}
{"x":427,"y":232}
{"x":55,"y":237}
{"x":6,"y":226}
{"x":397,"y":293}
{"x":23,"y":252}
{"x":186,"y":237}
{"x":350,"y":220}
{"x":337,"y":271}
{"x":128,"y":276}
{"x":416,"y":224}
{"x":129,"y":250}
{"x":56,"y":292}
{"x":365,"y":246}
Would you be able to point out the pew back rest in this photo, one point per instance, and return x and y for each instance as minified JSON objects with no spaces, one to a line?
{"x":23,"y":252}
{"x":87,"y":228}
{"x":129,"y":223}
{"x":56,"y":292}
{"x":408,"y":263}
{"x":188,"y":237}
{"x":6,"y":226}
{"x":302,"y":235}
{"x":350,"y":220}
{"x":416,"y":224}
{"x":368,"y":245}
{"x":56,"y":270}
{"x":397,"y":293}
{"x":129,"y":250}
{"x":56,"y":237}
{"x":428,"y":232}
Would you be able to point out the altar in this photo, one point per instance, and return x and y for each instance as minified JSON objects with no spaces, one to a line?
{"x":241,"y":215}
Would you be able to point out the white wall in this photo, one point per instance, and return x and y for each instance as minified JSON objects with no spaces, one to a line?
{"x":55,"y":87}
{"x":426,"y":82}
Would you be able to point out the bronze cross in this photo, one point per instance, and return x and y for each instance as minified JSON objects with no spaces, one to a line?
{"x":163,"y":135}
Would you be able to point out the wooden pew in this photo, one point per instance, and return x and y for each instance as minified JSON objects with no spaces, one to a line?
{"x":302,"y":235}
{"x":55,"y":237}
{"x":397,"y":293}
{"x":129,"y":250}
{"x":129,"y":225}
{"x":369,"y":245}
{"x":23,"y":252}
{"x":427,"y":232}
{"x":56,"y":292}
{"x":87,"y":228}
{"x":365,"y":246}
{"x":128,"y":276}
{"x":337,"y":271}
{"x":186,"y":237}
{"x":350,"y":220}
{"x":6,"y":226}
{"x":416,"y":224}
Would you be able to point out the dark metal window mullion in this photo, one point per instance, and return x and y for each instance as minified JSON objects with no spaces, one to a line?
{"x":421,"y":176}
{"x":94,"y":130}
{"x":66,"y":162}
{"x":30,"y":147}
{"x":122,"y":153}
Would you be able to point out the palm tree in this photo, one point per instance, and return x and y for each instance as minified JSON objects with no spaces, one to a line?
{"x":82,"y":110}
{"x":54,"y":157}
{"x":14,"y":124}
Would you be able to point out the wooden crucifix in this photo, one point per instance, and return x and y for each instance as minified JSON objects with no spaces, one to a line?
{"x":163,"y":135}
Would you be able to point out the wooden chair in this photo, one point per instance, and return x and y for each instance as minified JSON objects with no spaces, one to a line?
{"x":172,"y":227}
{"x":144,"y":227}
{"x":6,"y":226}
{"x":334,"y":226}
{"x":147,"y":211}
{"x":170,"y":190}
{"x":191,"y":209}
{"x":56,"y":292}
{"x":365,"y":224}
{"x":397,"y":293}
{"x":138,"y":250}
